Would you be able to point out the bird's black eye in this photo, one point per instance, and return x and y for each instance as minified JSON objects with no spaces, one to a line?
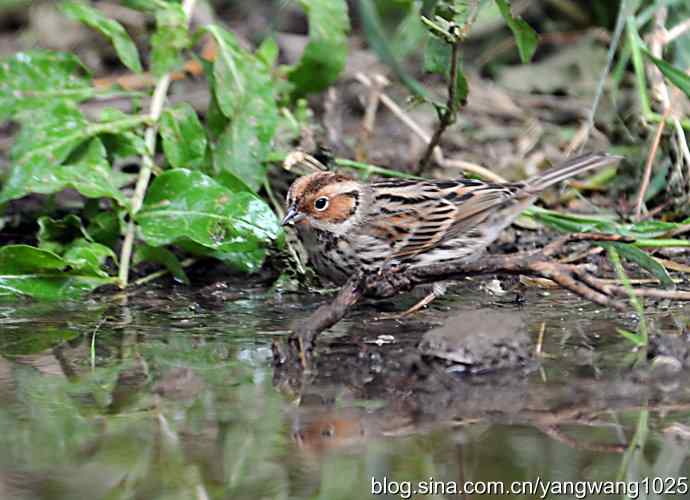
{"x":321,"y":203}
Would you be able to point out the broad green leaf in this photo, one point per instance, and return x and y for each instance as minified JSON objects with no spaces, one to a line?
{"x":240,"y":151}
{"x":91,"y":175}
{"x":238,"y":75}
{"x":88,"y":257}
{"x":246,"y":256}
{"x":436,"y":55}
{"x":184,"y":137}
{"x":68,"y":238}
{"x":163,"y":256}
{"x":106,"y":227}
{"x":244,"y":93}
{"x":41,"y":274}
{"x":268,"y":51}
{"x":437,"y":60}
{"x":49,"y":133}
{"x":56,"y":234}
{"x":122,"y":143}
{"x":124,"y":46}
{"x":26,"y":258}
{"x":29,"y":79}
{"x":676,"y":76}
{"x":183,"y":205}
{"x":325,"y":55}
{"x":170,"y":38}
{"x":645,"y":261}
{"x":526,"y":38}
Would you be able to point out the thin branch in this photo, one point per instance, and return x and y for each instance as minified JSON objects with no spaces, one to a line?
{"x":367,"y":127}
{"x":448,"y":116}
{"x":678,"y":30}
{"x":329,"y":314}
{"x":648,"y":166}
{"x":467,"y":166}
{"x":159,"y":96}
{"x":682,"y":143}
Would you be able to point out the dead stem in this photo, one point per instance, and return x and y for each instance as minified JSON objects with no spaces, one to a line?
{"x":648,"y":165}
{"x":367,"y":127}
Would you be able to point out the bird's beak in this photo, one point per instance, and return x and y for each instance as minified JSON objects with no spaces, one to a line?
{"x":292,"y":215}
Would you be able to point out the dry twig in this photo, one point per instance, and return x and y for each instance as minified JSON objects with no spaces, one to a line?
{"x":379,"y":82}
{"x":648,"y":165}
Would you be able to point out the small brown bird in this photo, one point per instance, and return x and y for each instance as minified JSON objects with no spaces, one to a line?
{"x":348,"y":226}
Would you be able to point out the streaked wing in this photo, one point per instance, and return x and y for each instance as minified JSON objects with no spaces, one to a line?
{"x":418,"y":216}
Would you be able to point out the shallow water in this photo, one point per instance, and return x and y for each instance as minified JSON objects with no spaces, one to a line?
{"x":174,"y":395}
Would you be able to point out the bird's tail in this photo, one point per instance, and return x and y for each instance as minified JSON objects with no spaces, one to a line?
{"x":570,"y":168}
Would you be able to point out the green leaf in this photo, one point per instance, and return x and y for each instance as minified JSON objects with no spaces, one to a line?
{"x":268,"y":51}
{"x":170,"y":38}
{"x":437,"y":59}
{"x":106,"y":227}
{"x":325,"y":55}
{"x":91,"y":175}
{"x":124,"y":46}
{"x":163,"y":256}
{"x":244,"y":92}
{"x":88,"y":257}
{"x":437,"y":54}
{"x":183,"y":205}
{"x":122,"y":143}
{"x":41,"y":274}
{"x":67,"y":237}
{"x":238,"y":75}
{"x":240,"y":151}
{"x":635,"y":338}
{"x":184,"y":137}
{"x":29,"y":79}
{"x":676,"y":76}
{"x":525,"y":37}
{"x":56,"y":234}
{"x":49,"y":133}
{"x":645,"y":261}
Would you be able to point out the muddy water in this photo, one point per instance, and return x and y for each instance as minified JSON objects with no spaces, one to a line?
{"x":177,"y":395}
